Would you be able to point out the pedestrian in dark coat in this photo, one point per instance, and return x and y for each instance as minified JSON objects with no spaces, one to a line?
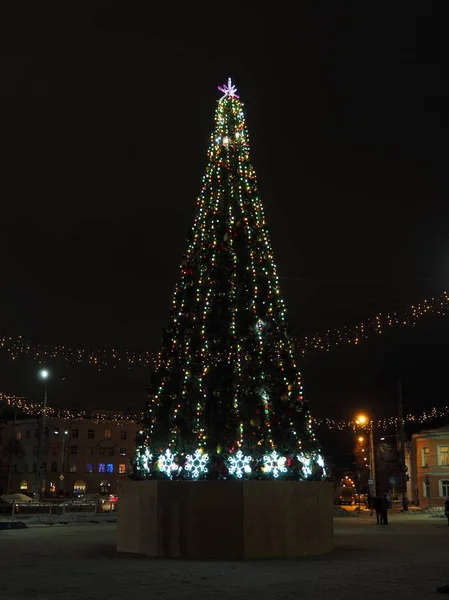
{"x":377,"y":505}
{"x":384,"y":503}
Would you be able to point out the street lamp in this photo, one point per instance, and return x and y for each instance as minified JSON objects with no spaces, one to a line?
{"x":364,"y":421}
{"x":65,"y":433}
{"x":44,"y":375}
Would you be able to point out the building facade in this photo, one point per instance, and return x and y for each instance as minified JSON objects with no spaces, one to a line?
{"x":79,"y":456}
{"x":429,"y":467}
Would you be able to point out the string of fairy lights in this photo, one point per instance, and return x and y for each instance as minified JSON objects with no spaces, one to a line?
{"x":26,"y":407}
{"x":18,"y":347}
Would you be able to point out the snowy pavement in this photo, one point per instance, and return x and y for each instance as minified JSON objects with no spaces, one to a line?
{"x":407,"y":559}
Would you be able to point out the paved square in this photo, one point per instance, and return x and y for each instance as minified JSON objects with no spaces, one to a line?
{"x":408,"y":559}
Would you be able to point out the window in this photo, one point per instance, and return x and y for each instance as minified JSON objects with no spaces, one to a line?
{"x":101,"y":468}
{"x":107,"y":433}
{"x":28,"y":434}
{"x":54,"y":467}
{"x":443,"y":455}
{"x":102,"y":451}
{"x":36,"y":433}
{"x":109,"y":468}
{"x":90,"y":434}
{"x":444,"y":488}
{"x":73,"y":449}
{"x":56,"y":431}
{"x":75,"y":433}
{"x":54,"y":449}
{"x":15,"y":468}
{"x":122,"y":451}
{"x":123,"y":435}
{"x":89,"y":468}
{"x":425,"y":455}
{"x":426,"y":487}
{"x":122,"y":469}
{"x":111,"y":451}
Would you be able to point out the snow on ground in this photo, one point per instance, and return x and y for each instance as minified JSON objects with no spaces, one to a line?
{"x":407,"y":559}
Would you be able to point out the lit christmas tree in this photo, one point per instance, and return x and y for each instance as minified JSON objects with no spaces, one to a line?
{"x":226,"y":398}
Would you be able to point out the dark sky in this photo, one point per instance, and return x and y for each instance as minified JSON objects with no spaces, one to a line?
{"x":106,"y":111}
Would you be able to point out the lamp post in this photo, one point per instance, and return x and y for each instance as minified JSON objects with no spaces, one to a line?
{"x":364,"y":421}
{"x":43,"y":374}
{"x":65,"y":433}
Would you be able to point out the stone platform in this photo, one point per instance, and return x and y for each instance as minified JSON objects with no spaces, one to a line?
{"x":225,"y":519}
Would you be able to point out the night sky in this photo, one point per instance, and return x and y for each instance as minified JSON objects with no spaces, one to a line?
{"x":106,"y":111}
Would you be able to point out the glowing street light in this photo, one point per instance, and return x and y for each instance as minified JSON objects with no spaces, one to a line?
{"x":365,"y":421}
{"x":44,"y":374}
{"x":361,"y":439}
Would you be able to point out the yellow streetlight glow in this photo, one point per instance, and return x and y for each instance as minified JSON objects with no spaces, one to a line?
{"x":361,"y":439}
{"x":361,"y":420}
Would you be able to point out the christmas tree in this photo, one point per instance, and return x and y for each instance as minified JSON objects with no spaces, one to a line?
{"x":226,"y":398}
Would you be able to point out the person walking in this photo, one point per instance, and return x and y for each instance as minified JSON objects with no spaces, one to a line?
{"x":384,"y":510}
{"x":377,"y":506}
{"x":446,"y":510}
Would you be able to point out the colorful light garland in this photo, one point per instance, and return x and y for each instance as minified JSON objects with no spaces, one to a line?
{"x":25,"y":407}
{"x":112,"y":358}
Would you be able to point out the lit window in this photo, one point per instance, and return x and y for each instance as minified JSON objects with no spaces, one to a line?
{"x":425,"y":456}
{"x":101,"y":468}
{"x":123,"y":435}
{"x":89,"y":468}
{"x":122,"y":451}
{"x":107,"y":433}
{"x":109,"y":468}
{"x":122,"y":468}
{"x":443,"y":452}
{"x":444,"y":488}
{"x":75,"y":433}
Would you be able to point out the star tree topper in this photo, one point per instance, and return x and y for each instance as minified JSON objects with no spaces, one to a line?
{"x":229,"y":90}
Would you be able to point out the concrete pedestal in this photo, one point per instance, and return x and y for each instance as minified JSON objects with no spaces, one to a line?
{"x":225,"y":519}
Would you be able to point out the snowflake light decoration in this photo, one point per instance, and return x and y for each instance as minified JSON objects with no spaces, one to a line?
{"x":275,"y":464}
{"x":320,"y":462}
{"x":196,"y":464}
{"x":166,"y":463}
{"x":229,"y":90}
{"x":145,"y":460}
{"x":306,"y":464}
{"x":239,"y":464}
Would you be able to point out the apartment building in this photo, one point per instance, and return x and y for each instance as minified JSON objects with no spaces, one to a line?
{"x":79,"y":456}
{"x":429,"y":467}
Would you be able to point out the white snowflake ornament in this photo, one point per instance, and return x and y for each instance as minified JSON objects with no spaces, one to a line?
{"x":239,"y":464}
{"x":275,"y":464}
{"x":196,"y":464}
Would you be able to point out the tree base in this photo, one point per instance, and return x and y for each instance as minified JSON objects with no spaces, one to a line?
{"x":225,"y":519}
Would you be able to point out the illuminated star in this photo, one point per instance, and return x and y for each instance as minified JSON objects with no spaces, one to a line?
{"x":229,"y":90}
